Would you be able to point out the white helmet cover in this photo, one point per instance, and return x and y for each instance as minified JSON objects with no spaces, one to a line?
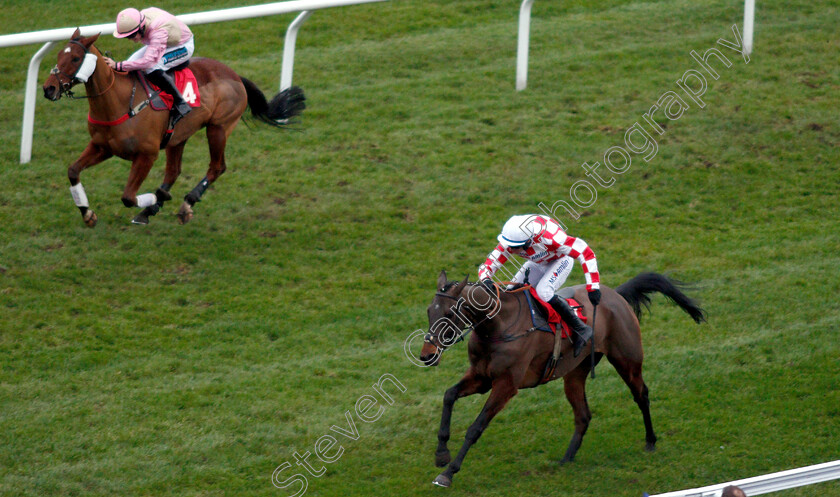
{"x":517,"y":231}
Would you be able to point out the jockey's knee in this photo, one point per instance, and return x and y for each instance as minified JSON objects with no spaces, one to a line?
{"x":545,"y":292}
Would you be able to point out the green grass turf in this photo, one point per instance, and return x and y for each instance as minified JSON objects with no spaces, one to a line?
{"x":194,"y":360}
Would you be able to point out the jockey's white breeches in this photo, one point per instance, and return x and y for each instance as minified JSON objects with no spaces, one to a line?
{"x":172,"y":57}
{"x":546,"y":278}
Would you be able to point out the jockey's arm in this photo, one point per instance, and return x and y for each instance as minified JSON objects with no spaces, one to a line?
{"x":494,"y":261}
{"x":155,"y":49}
{"x":578,"y":249}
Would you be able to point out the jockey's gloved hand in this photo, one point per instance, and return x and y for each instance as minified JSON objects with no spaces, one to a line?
{"x":488,"y":284}
{"x":595,"y":296}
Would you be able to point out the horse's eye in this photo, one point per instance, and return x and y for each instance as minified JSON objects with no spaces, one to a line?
{"x":76,"y":59}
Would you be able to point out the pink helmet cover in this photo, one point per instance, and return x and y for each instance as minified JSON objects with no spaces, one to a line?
{"x":129,"y":22}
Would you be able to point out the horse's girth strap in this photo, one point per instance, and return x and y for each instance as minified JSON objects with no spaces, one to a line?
{"x":121,"y":120}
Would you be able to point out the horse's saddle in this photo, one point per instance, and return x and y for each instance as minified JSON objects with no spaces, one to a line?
{"x":185,"y":81}
{"x":545,"y":318}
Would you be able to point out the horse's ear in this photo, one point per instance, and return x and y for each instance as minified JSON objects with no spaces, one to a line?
{"x":463,"y":284}
{"x":76,"y":34}
{"x":441,"y":282}
{"x":89,"y":41}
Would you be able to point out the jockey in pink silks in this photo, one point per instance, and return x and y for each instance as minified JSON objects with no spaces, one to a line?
{"x":551,"y":254}
{"x":168,"y":43}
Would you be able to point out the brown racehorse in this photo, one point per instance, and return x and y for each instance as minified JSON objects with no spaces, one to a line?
{"x":116,"y":131}
{"x":505,"y":356}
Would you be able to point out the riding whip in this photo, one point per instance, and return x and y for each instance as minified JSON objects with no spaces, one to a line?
{"x":592,"y":351}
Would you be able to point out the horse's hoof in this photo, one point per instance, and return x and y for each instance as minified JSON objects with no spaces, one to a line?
{"x":90,"y":218}
{"x":650,"y":447}
{"x":185,"y":213}
{"x":442,"y":459}
{"x":140,"y":219}
{"x":443,"y":481}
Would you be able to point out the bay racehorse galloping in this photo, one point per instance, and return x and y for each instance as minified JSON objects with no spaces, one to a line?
{"x":116,"y":130}
{"x":505,"y":356}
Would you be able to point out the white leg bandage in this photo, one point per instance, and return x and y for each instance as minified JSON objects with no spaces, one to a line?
{"x":146,"y":200}
{"x":79,"y":196}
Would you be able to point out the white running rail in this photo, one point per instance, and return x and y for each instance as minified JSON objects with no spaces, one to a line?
{"x":525,"y":33}
{"x":51,"y":36}
{"x":749,"y":17}
{"x":522,"y":44}
{"x":765,"y":484}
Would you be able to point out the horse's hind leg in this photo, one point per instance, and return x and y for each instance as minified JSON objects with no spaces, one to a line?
{"x":217,"y":139}
{"x":574,"y":384}
{"x":468,"y":385}
{"x":162,"y":195}
{"x":631,"y":372}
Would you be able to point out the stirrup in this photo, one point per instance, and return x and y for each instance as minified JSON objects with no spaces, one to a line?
{"x":180,"y":110}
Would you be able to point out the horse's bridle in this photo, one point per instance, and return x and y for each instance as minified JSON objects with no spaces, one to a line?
{"x":65,"y":88}
{"x":428,"y":336}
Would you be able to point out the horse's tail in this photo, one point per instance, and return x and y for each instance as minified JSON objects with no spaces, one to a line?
{"x":636,"y":291}
{"x":285,"y":105}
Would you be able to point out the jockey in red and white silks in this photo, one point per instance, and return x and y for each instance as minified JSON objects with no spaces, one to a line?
{"x":551,"y":254}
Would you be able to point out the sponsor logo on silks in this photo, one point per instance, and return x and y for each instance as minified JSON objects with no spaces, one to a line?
{"x":556,"y":273}
{"x":538,"y":255}
{"x":175,"y":55}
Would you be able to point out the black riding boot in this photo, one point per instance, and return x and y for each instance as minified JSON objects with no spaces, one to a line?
{"x":165,"y":81}
{"x":582,"y":333}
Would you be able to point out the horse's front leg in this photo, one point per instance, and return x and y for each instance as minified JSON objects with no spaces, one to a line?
{"x":503,"y":389}
{"x":162,"y":195}
{"x":92,"y":155}
{"x":468,"y":385}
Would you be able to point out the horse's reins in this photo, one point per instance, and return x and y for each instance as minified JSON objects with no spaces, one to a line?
{"x":132,"y":110}
{"x":509,"y":338}
{"x":472,"y":326}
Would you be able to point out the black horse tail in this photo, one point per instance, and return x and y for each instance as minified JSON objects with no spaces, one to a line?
{"x":284,"y":106}
{"x":636,"y":291}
